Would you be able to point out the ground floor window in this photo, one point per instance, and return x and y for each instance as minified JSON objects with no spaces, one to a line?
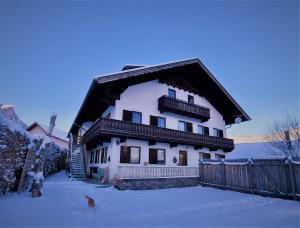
{"x":130,"y":154}
{"x":182,"y":158}
{"x":103,"y":155}
{"x":157,"y":156}
{"x":220,"y":156}
{"x":204,"y":155}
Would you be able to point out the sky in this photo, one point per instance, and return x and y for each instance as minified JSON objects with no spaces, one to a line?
{"x":51,"y":50}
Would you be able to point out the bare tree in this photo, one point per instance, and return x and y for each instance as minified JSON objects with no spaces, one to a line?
{"x":283,"y":136}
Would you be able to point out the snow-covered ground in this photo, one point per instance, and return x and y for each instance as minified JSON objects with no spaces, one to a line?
{"x":63,"y":204}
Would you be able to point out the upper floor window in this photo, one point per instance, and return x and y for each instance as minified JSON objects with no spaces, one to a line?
{"x":203,"y":130}
{"x":172,"y":93}
{"x":185,"y":126}
{"x":130,"y":154}
{"x":158,"y":121}
{"x":134,"y":117}
{"x":190,"y":99}
{"x":217,"y":132}
{"x":157,"y":156}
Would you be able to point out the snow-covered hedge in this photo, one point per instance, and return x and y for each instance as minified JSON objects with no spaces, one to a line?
{"x":14,"y":140}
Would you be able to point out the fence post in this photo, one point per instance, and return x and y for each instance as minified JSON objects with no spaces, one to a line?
{"x":201,"y":175}
{"x":251,"y":179}
{"x":292,"y":179}
{"x":223,"y":173}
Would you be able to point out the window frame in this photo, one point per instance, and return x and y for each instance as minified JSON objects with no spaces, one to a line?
{"x":187,"y":126}
{"x":171,"y":91}
{"x":204,"y":154}
{"x":156,"y":122}
{"x":129,"y":114}
{"x":130,"y":155}
{"x":192,"y":101}
{"x":220,"y":156}
{"x":156,"y":150}
{"x":219,"y":133}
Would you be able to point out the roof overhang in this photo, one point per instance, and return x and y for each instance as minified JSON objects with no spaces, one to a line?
{"x":190,"y":75}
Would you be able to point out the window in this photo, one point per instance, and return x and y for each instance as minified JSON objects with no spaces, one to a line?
{"x":134,"y":117}
{"x":217,"y":132}
{"x":104,"y":155}
{"x":157,"y":121}
{"x":182,"y":158}
{"x":172,"y":93}
{"x":97,"y":156}
{"x":190,"y":99}
{"x":92,"y":157}
{"x":220,"y":156}
{"x":157,"y":156}
{"x":130,"y":154}
{"x":204,"y":155}
{"x":203,"y":130}
{"x":185,"y":126}
{"x":107,"y":116}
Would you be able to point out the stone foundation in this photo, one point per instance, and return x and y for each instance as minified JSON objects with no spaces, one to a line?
{"x":156,"y":183}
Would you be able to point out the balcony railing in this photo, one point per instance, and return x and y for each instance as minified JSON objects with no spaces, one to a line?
{"x":170,"y":104}
{"x":109,"y":127}
{"x":143,"y":172}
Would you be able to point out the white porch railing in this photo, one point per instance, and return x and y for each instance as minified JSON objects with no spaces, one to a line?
{"x":144,"y":172}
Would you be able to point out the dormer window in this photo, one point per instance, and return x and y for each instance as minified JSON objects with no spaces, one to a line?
{"x":172,"y":93}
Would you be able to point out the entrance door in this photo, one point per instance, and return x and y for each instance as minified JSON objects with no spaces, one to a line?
{"x":182,"y":158}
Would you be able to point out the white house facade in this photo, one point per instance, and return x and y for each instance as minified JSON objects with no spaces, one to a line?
{"x":153,"y":124}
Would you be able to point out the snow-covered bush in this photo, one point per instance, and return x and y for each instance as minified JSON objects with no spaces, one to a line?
{"x":14,"y":142}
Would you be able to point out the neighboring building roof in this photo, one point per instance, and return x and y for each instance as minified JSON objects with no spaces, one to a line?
{"x":188,"y":74}
{"x":55,"y":133}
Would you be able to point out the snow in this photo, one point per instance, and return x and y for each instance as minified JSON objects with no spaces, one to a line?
{"x":63,"y":204}
{"x":36,"y":176}
{"x":252,"y":150}
{"x":13,"y":125}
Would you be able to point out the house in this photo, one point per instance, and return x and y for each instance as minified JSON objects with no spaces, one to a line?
{"x":59,"y":137}
{"x":150,"y":125}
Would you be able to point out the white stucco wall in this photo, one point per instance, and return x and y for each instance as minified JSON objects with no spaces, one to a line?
{"x":144,"y":98}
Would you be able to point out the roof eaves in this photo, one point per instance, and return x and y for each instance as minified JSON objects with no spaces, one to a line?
{"x":142,"y":70}
{"x":86,"y":96}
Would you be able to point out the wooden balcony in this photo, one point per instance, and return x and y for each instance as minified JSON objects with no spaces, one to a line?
{"x":148,"y":172}
{"x":170,"y":104}
{"x":106,"y":128}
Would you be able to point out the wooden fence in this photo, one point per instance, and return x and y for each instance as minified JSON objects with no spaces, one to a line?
{"x":272,"y":177}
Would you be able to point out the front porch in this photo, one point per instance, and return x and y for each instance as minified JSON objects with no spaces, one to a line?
{"x":148,"y":172}
{"x":156,"y":177}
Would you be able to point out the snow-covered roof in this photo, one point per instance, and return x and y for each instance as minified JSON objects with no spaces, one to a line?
{"x":57,"y":133}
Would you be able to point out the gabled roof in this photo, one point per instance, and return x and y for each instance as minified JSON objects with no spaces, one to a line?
{"x":55,"y":133}
{"x":190,"y":74}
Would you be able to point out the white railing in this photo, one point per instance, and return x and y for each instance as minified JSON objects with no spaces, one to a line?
{"x":144,"y":172}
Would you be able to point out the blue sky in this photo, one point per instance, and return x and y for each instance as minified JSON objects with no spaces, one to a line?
{"x":50,"y":51}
